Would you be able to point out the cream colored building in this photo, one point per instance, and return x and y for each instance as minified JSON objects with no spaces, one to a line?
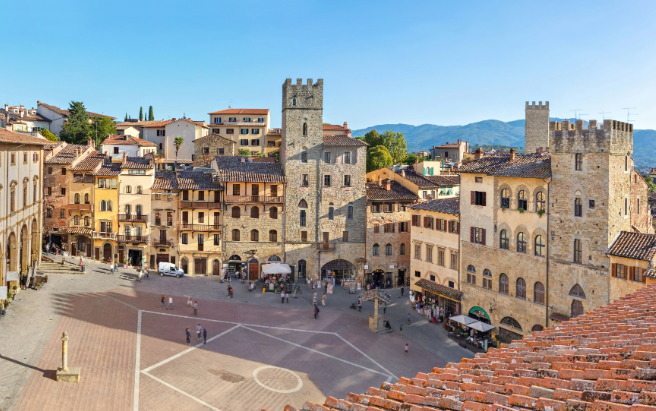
{"x":248,"y":127}
{"x":163,"y":134}
{"x":22,"y":119}
{"x":633,"y":263}
{"x":164,"y":229}
{"x":115,"y":145}
{"x":418,"y":179}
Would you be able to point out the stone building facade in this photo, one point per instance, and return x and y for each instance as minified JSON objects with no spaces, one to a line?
{"x":164,"y":231}
{"x":536,"y":127}
{"x":321,"y":170}
{"x":388,"y":234}
{"x":210,"y":146}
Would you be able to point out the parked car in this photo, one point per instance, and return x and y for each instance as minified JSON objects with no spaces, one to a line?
{"x":169,"y":269}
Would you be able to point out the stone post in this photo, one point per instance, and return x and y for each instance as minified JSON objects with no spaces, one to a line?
{"x":64,"y":366}
{"x":66,"y":374}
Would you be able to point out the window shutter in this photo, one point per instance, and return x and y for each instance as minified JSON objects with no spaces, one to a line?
{"x":458,"y":228}
{"x":483,"y":242}
{"x":631,"y":273}
{"x":425,"y":222}
{"x":483,"y":194}
{"x":473,"y":197}
{"x":644,"y":279}
{"x":614,"y":270}
{"x":625,"y":271}
{"x":472,"y":234}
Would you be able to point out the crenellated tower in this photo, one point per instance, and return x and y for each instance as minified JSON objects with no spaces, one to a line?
{"x":536,"y":127}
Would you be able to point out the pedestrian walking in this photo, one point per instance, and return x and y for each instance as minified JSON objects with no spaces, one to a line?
{"x":188,"y":300}
{"x":146,"y":272}
{"x":188,"y":337}
{"x":401,"y":329}
{"x":401,"y":292}
{"x":198,"y":331}
{"x":316,"y":312}
{"x":408,"y":318}
{"x":112,"y":269}
{"x":359,"y":304}
{"x":230,"y":291}
{"x":139,"y":275}
{"x":204,"y":335}
{"x":170,"y":302}
{"x":287,"y":297}
{"x":282,"y":295}
{"x":250,"y":287}
{"x":406,"y":348}
{"x":384,"y":308}
{"x":323,"y":299}
{"x":161,"y":303}
{"x":196,"y":308}
{"x":314,"y":298}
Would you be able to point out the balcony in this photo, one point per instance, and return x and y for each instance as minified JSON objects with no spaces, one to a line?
{"x":132,"y":239}
{"x":159,"y":223}
{"x":162,"y":242}
{"x":326,"y":246}
{"x":81,"y":207}
{"x":199,"y":204}
{"x":135,"y":218}
{"x":109,"y":236}
{"x":254,"y":199}
{"x":200,"y":227}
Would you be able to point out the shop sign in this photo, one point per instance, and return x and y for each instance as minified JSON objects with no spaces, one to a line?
{"x":366,"y":267}
{"x":12,"y":276}
{"x":3,"y":292}
{"x":392,"y":266}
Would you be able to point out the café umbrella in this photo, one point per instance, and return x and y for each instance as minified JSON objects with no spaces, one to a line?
{"x":479,"y":326}
{"x":461,"y":319}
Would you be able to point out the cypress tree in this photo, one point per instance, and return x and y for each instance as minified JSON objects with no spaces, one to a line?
{"x":126,"y":117}
{"x":151,"y":117}
{"x":140,"y":113}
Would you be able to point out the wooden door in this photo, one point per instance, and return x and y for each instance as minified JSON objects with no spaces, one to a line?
{"x":216,"y":269}
{"x":325,"y":240}
{"x":162,"y":258}
{"x":121,"y":256}
{"x":89,"y":251}
{"x":97,"y":253}
{"x":253,"y":270}
{"x":73,"y":249}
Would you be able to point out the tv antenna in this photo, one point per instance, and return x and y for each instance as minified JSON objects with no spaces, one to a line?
{"x":603,"y":115}
{"x":575,"y":111}
{"x":628,"y":113}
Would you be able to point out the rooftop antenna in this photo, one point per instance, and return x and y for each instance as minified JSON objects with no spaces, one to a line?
{"x":575,"y":111}
{"x":581,"y":114}
{"x":603,"y":114}
{"x":628,"y":113}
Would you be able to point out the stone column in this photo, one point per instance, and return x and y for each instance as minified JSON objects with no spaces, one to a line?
{"x":64,"y":366}
{"x":66,"y":374}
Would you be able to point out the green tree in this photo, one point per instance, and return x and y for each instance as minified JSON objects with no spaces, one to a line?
{"x":378,"y":157}
{"x":101,"y":128}
{"x":243,"y":152}
{"x":276,"y":155}
{"x":410,"y":159}
{"x":372,"y":138}
{"x":140,"y":113}
{"x":650,"y":183}
{"x":399,"y":148}
{"x":48,"y":135}
{"x":126,"y":117}
{"x":177,"y":142}
{"x":151,"y":116}
{"x":77,"y":129}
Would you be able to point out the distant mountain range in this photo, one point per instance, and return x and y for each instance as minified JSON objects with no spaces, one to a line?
{"x":495,"y":132}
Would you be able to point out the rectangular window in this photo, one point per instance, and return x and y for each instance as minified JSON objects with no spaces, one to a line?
{"x":429,"y":253}
{"x":477,"y":235}
{"x":185,"y":238}
{"x":403,"y":227}
{"x":578,"y":159}
{"x":185,"y":195}
{"x":230,"y":131}
{"x":201,"y":217}
{"x":416,"y":221}
{"x":578,"y":207}
{"x":49,"y":190}
{"x":454,"y":261}
{"x":232,"y":119}
{"x":326,"y":157}
{"x":304,"y":236}
{"x":206,"y":150}
{"x":243,"y":142}
{"x":417,"y":251}
{"x":201,"y":196}
{"x":626,"y":206}
{"x":200,"y":238}
{"x":591,"y":204}
{"x":220,"y":151}
{"x":13,"y":159}
{"x":326,"y":180}
{"x":440,"y":257}
{"x":24,"y":158}
{"x":347,"y":181}
{"x":375,"y":208}
{"x":243,"y":131}
{"x":115,"y":150}
{"x":49,"y":170}
{"x":161,"y":133}
{"x":61,"y":213}
{"x":417,"y":273}
{"x":478,"y":198}
{"x":577,"y":252}
{"x":478,"y":179}
{"x":49,"y":212}
{"x":345,"y":236}
{"x":347,"y":157}
{"x":305,"y":180}
{"x":255,"y":131}
{"x":63,"y":191}
{"x":236,"y":189}
{"x":255,"y":142}
{"x":63,"y":171}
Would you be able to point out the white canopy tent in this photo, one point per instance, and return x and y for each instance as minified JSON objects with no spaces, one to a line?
{"x":276,"y":268}
{"x":464,"y":320}
{"x":479,"y":326}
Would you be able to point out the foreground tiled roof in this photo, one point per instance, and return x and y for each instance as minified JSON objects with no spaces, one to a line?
{"x":418,"y":179}
{"x":68,"y":113}
{"x":444,"y":205}
{"x":528,"y":166}
{"x":109,"y":169}
{"x":125,"y":140}
{"x":197,"y":180}
{"x":343,"y":141}
{"x":67,"y":154}
{"x":604,"y":360}
{"x":396,"y":192}
{"x":242,"y":111}
{"x":638,"y":246}
{"x":165,"y":180}
{"x":444,"y":180}
{"x":13,"y":137}
{"x":89,"y":162}
{"x":232,"y":169}
{"x":137,"y":162}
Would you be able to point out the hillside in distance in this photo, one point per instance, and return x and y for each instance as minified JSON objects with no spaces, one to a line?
{"x":495,"y":132}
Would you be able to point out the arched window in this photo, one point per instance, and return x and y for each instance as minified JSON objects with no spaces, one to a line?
{"x":487,"y":279}
{"x":487,"y":273}
{"x":305,"y":129}
{"x":274,"y":258}
{"x":138,"y":209}
{"x":76,"y":220}
{"x":471,"y":275}
{"x":521,"y":243}
{"x":235,"y":235}
{"x":388,"y":249}
{"x":511,"y":322}
{"x":376,"y":249}
{"x":77,"y":198}
{"x":539,"y":246}
{"x":86,"y":198}
{"x":236,"y":213}
{"x":302,"y":218}
{"x":578,"y":207}
{"x":128,"y":189}
{"x":577,"y":291}
{"x":331,"y":212}
{"x":505,"y":198}
{"x":376,"y":228}
{"x":577,"y":309}
{"x":184,"y":264}
{"x":110,"y":205}
{"x":503,"y":284}
{"x":255,"y":212}
{"x":273,"y":236}
{"x":273,"y":212}
{"x":103,"y":205}
{"x":402,"y":249}
{"x":302,"y":204}
{"x":537,"y":327}
{"x":87,"y":221}
{"x":539,"y":201}
{"x":504,"y":241}
{"x":520,"y":289}
{"x":128,"y":209}
{"x":349,"y":215}
{"x":255,"y":235}
{"x":139,"y":190}
{"x":522,"y":201}
{"x":304,"y":156}
{"x":538,"y":291}
{"x":294,"y":101}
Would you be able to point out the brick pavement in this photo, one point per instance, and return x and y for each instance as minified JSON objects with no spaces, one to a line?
{"x":104,"y":331}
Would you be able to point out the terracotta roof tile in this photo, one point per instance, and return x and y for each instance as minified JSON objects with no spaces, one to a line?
{"x":165,"y":180}
{"x":637,"y":246}
{"x":197,"y":180}
{"x":117,"y":140}
{"x":580,"y":365}
{"x":444,"y":180}
{"x":67,"y":113}
{"x":413,"y":177}
{"x":396,"y":192}
{"x":90,"y":162}
{"x":232,"y":169}
{"x":343,"y":141}
{"x":109,"y":169}
{"x":442,"y":205}
{"x":263,"y":111}
{"x":439,"y":289}
{"x":526,"y":166}
{"x":448,"y":145}
{"x":334,"y":127}
{"x":155,"y":124}
{"x":13,"y":137}
{"x":68,"y":154}
{"x":137,"y":163}
{"x":16,"y":117}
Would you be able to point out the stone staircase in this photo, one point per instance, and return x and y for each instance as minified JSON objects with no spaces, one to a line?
{"x":47,"y":268}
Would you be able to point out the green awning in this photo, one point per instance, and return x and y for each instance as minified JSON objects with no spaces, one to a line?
{"x":477,"y":308}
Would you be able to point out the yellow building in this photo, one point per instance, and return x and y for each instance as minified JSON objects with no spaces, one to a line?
{"x":632,"y":261}
{"x":80,"y":204}
{"x":105,"y":198}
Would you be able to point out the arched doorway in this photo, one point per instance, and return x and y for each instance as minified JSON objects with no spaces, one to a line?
{"x":338,"y":271}
{"x":235,"y":265}
{"x":216,"y":267}
{"x":505,"y":334}
{"x":253,"y":269}
{"x":107,"y":252}
{"x":479,"y":314}
{"x":12,"y":253}
{"x":378,"y":279}
{"x":184,"y":265}
{"x":34,"y":257}
{"x":301,"y":270}
{"x":25,"y":249}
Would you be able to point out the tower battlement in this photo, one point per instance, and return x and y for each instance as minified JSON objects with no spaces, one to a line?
{"x":613,"y":137}
{"x":538,"y":106}
{"x":302,"y":96}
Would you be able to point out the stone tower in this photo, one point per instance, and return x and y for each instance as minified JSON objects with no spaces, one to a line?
{"x":536,"y":129}
{"x":590,"y":203}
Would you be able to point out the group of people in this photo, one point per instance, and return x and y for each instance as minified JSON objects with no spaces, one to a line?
{"x":230,"y":291}
{"x":284,"y":295}
{"x":55,"y":249}
{"x":323,"y":299}
{"x":200,"y":331}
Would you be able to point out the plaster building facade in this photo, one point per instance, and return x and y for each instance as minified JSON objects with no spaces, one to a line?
{"x":449,"y":152}
{"x":164,"y":231}
{"x":106,"y":210}
{"x":325,"y":171}
{"x":247,"y":127}
{"x":388,"y":234}
{"x":163,"y":134}
{"x":59,"y":116}
{"x":21,"y":119}
{"x":21,"y":212}
{"x":273,"y":141}
{"x":632,"y":263}
{"x":253,"y":221}
{"x":115,"y":145}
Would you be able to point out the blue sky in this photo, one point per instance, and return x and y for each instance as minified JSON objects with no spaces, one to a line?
{"x":382,"y":62}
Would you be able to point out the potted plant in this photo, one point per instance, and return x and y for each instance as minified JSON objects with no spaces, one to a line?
{"x":503,"y":208}
{"x":540,"y":212}
{"x":45,"y":278}
{"x":15,"y":288}
{"x":520,"y":209}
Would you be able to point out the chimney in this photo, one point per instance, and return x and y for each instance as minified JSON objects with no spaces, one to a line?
{"x":173,"y":119}
{"x":380,"y":180}
{"x":478,"y":153}
{"x":388,"y":184}
{"x":403,"y":173}
{"x":345,"y":124}
{"x":6,"y":107}
{"x":512,"y":153}
{"x":242,"y":159}
{"x":90,"y":142}
{"x":125,"y":157}
{"x":38,"y":102}
{"x":22,"y":113}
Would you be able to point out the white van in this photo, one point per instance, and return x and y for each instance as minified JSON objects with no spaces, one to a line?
{"x":169,"y":269}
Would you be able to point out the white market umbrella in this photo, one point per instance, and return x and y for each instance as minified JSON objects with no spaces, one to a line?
{"x":278,"y":269}
{"x":479,"y":326}
{"x":463,"y":319}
